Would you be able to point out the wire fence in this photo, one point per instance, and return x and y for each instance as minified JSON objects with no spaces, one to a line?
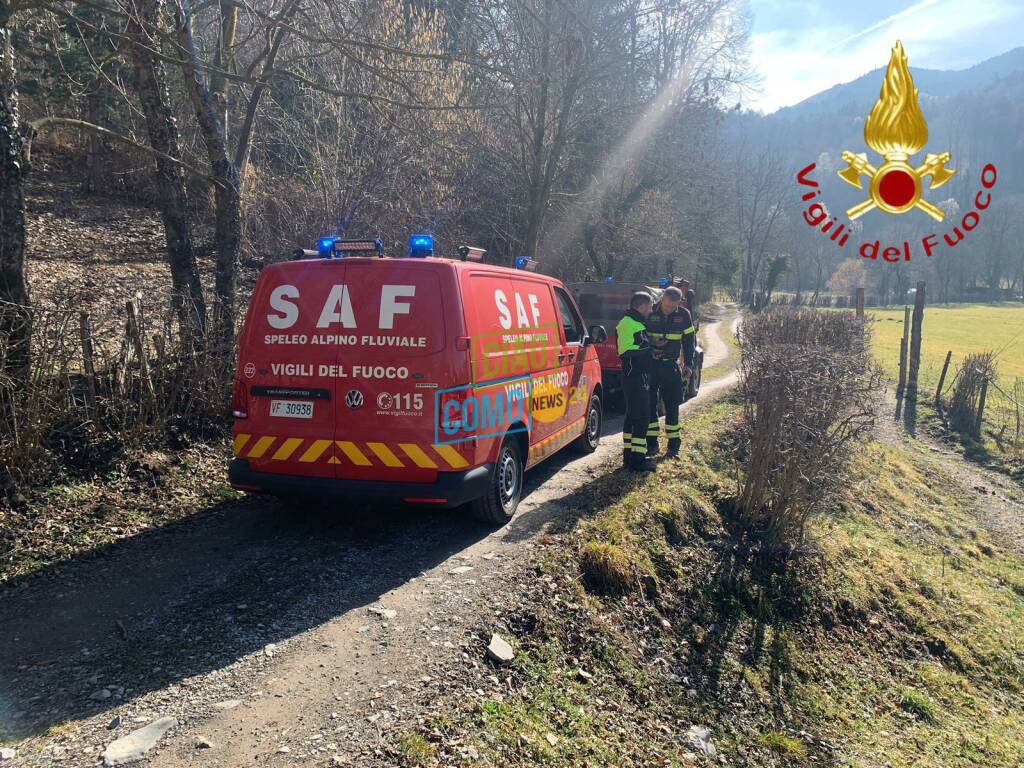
{"x":100,"y":382}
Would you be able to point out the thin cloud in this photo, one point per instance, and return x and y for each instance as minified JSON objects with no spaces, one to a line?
{"x":884,"y":23}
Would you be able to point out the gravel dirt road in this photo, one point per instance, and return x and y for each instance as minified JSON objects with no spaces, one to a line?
{"x":270,"y":634}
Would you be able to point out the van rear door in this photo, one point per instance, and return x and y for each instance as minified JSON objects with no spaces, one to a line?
{"x":286,"y":363}
{"x":399,"y":349}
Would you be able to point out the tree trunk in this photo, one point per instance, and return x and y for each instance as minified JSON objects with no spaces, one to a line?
{"x":15,"y":314}
{"x":96,"y":149}
{"x":170,"y":180}
{"x":537,"y":201}
{"x":228,"y":208}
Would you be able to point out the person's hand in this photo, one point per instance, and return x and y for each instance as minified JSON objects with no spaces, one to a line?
{"x":660,"y":342}
{"x":687,"y":371}
{"x":656,"y":354}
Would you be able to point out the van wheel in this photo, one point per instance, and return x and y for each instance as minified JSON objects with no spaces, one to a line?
{"x":693,"y":384}
{"x":591,"y":437}
{"x":501,"y":500}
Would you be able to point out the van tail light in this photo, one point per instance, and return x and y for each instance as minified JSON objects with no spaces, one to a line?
{"x":239,"y":400}
{"x":454,"y":406}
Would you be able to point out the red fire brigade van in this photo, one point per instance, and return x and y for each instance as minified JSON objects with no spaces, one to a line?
{"x":604,"y":303}
{"x":428,"y":380}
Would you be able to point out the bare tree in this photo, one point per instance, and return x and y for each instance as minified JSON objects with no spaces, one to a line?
{"x":15,"y":317}
{"x":759,"y":194}
{"x":143,"y":26}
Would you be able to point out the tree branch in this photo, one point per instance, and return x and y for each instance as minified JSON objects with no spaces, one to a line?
{"x":46,"y":122}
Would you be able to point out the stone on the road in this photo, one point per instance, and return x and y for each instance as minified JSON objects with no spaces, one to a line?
{"x":203,"y":743}
{"x":134,"y":746}
{"x":499,"y":650}
{"x":384,"y":613}
{"x":228,"y":704}
{"x":6,"y":753}
{"x":100,"y":695}
{"x":700,"y":740}
{"x":461,"y":570}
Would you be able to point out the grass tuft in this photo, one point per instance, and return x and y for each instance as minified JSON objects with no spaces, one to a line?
{"x":918,"y":705}
{"x":606,"y":568}
{"x":416,"y":750}
{"x":785,"y":745}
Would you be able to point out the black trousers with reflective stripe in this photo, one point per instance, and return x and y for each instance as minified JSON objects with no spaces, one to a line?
{"x":667,"y":384}
{"x":634,"y":427}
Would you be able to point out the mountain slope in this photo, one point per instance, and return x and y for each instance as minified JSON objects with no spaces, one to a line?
{"x":931,"y":83}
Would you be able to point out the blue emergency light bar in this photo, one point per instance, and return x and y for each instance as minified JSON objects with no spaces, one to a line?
{"x":340,"y":248}
{"x":663,"y":282}
{"x":336,"y":247}
{"x":608,"y":279}
{"x":526,"y":263}
{"x":421,"y":246}
{"x":325,"y":246}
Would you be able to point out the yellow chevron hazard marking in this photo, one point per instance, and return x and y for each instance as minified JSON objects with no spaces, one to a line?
{"x":287,"y":448}
{"x":315,"y":451}
{"x":384,"y":454}
{"x":240,"y":441}
{"x":261,"y":446}
{"x":416,"y":453}
{"x":354,"y":454}
{"x":333,"y":460}
{"x":452,"y":456}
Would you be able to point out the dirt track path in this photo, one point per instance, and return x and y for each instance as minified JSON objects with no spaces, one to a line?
{"x":257,"y":630}
{"x":996,"y":498}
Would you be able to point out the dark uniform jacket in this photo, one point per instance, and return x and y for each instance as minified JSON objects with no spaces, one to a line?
{"x":633,"y":344}
{"x":677,"y":330}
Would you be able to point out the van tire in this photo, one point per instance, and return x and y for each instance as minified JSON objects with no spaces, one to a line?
{"x":499,"y":504}
{"x":591,"y":437}
{"x":693,"y":383}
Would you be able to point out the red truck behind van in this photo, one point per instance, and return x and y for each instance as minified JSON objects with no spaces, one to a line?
{"x":423,"y":379}
{"x":604,"y":303}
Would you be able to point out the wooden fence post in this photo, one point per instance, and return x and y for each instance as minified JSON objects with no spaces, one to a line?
{"x":942,"y":380}
{"x":902,"y":383}
{"x":140,"y":349}
{"x":88,"y":362}
{"x":860,"y":302}
{"x":914,"y":365}
{"x":981,"y":407}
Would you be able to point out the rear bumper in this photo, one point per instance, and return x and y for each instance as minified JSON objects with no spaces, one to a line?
{"x":450,"y":490}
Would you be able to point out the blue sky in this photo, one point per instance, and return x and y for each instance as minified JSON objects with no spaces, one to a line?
{"x":800,"y":47}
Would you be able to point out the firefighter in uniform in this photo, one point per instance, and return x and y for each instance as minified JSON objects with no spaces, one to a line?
{"x":689,"y":300}
{"x":670,"y":329}
{"x":635,"y":352}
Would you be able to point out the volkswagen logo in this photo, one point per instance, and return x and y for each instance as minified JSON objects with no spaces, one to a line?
{"x":354,"y":398}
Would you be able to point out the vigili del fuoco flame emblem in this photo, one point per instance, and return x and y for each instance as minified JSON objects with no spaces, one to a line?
{"x":896,"y":129}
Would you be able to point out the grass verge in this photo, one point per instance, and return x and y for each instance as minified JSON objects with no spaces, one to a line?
{"x":964,"y":329}
{"x":896,"y":641}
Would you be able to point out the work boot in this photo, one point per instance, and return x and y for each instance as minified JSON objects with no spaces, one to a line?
{"x":673,"y":448}
{"x":639,"y":463}
{"x":652,"y":447}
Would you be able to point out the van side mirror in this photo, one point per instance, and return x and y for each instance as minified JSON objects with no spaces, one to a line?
{"x":597,"y":334}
